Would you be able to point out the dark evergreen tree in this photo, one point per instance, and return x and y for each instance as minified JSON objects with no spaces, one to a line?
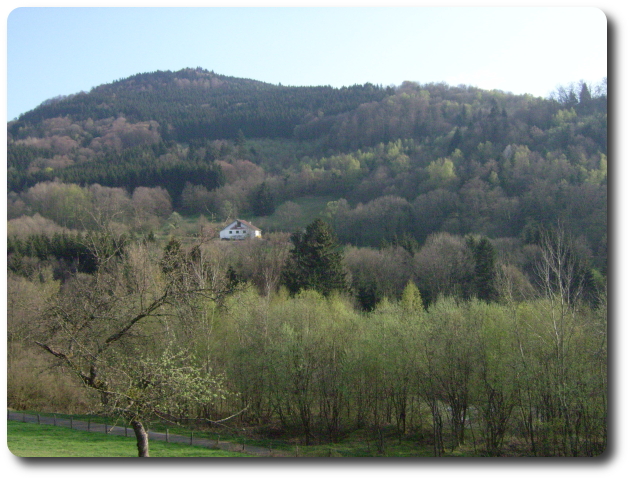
{"x":315,"y":261}
{"x":406,"y":241}
{"x":367,"y":297}
{"x":240,"y":138}
{"x":263,"y":201}
{"x":456,"y":140}
{"x":484,"y":281}
{"x":233,"y":279}
{"x":585,"y":100}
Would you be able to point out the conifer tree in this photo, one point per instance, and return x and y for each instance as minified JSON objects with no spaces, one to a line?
{"x":315,"y":261}
{"x":484,"y":283}
{"x":411,"y":299}
{"x":263,"y":202}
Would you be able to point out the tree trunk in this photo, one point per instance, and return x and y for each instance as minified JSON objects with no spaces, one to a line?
{"x":143,"y":438}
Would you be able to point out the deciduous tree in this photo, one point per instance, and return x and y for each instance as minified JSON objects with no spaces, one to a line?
{"x":114,"y":331}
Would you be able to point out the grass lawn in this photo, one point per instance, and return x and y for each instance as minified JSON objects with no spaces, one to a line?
{"x":32,"y":440}
{"x":309,"y":209}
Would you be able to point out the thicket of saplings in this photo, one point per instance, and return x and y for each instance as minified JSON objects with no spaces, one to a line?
{"x":209,"y":330}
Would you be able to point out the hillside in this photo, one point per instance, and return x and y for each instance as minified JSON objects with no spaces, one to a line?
{"x":193,"y":105}
{"x":411,"y":160}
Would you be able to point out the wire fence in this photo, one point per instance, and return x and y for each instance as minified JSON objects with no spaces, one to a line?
{"x":194,"y":438}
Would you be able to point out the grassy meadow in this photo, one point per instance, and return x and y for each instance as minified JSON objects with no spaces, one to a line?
{"x":32,"y":440}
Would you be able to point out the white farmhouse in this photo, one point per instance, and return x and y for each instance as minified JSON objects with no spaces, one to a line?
{"x":239,"y":230}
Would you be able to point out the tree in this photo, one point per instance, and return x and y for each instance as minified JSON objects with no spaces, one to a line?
{"x":443,"y":266}
{"x":441,"y":173}
{"x":377,"y":274}
{"x":566,"y":96}
{"x":585,"y":105}
{"x":240,"y":138}
{"x":498,"y":373}
{"x":116,"y":331}
{"x":411,"y":299}
{"x":263,"y":202}
{"x":452,"y":351}
{"x":315,"y":261}
{"x":484,"y":282}
{"x":562,"y":348}
{"x":263,"y":262}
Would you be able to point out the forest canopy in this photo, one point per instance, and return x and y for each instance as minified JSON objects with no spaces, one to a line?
{"x":414,"y":158}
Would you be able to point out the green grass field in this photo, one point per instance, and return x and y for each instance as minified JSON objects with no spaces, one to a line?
{"x":32,"y":440}
{"x":309,"y":209}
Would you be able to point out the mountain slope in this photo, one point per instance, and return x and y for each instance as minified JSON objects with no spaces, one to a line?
{"x":194,"y":104}
{"x":410,"y":160}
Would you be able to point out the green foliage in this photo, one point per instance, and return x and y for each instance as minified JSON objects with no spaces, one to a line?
{"x":315,"y":261}
{"x":72,"y":250}
{"x":441,"y":172}
{"x":464,"y":376}
{"x":263,"y":203}
{"x":170,"y":383}
{"x":485,"y":269}
{"x":411,"y":299}
{"x":469,"y":160}
{"x":192,"y":102}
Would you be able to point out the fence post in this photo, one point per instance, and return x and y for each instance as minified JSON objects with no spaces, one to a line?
{"x":23,"y":417}
{"x":125,"y":430}
{"x":191,"y":437}
{"x":105,"y":427}
{"x":38,"y":419}
{"x":55,"y":419}
{"x":167,"y":435}
{"x":89,"y":423}
{"x":70,"y":422}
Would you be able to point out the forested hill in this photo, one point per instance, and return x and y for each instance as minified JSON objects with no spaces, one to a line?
{"x":409,"y":161}
{"x":194,"y":104}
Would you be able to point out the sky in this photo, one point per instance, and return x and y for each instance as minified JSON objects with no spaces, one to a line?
{"x":61,"y":51}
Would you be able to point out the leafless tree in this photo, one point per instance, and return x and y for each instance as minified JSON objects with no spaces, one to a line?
{"x":115,"y":331}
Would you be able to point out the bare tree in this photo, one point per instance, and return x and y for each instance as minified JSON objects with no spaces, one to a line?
{"x":115,"y":331}
{"x":561,"y":353}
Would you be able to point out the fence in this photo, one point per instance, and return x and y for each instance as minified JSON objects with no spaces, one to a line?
{"x":89,"y":426}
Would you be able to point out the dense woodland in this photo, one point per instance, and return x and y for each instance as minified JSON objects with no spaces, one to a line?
{"x":433,"y":265}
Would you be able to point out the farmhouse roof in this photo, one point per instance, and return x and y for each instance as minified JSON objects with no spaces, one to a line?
{"x":238,"y":223}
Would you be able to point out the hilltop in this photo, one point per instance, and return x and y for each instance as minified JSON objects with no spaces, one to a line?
{"x":410,"y":160}
{"x":192,"y":105}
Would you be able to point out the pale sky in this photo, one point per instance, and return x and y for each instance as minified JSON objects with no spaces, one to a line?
{"x":61,"y":51}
